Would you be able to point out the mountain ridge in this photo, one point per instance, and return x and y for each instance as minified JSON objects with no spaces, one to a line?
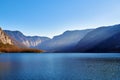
{"x":67,"y":39}
{"x":87,"y":40}
{"x":29,"y":41}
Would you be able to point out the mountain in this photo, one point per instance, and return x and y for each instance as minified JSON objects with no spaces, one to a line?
{"x":64,"y":41}
{"x":103,"y":39}
{"x":29,"y":41}
{"x":7,"y":45}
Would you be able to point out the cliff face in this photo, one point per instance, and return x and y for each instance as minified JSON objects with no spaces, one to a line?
{"x":5,"y":39}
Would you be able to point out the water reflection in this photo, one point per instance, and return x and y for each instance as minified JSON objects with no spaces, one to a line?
{"x":59,"y":67}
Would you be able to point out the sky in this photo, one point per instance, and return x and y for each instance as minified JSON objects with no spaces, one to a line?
{"x":53,"y":17}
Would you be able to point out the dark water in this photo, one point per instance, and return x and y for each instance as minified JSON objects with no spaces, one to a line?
{"x":59,"y":66}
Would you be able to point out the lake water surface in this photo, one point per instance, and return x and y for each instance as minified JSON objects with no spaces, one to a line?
{"x":70,"y":66}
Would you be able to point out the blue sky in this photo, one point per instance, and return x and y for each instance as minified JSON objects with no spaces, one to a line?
{"x":53,"y":17}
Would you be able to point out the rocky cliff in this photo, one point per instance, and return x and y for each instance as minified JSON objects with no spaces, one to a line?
{"x":4,"y":38}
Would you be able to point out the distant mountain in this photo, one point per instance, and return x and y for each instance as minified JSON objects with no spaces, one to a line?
{"x":64,"y":41}
{"x":29,"y":41}
{"x":103,"y":39}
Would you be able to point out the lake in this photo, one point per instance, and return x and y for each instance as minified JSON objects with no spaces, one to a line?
{"x":70,"y":66}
